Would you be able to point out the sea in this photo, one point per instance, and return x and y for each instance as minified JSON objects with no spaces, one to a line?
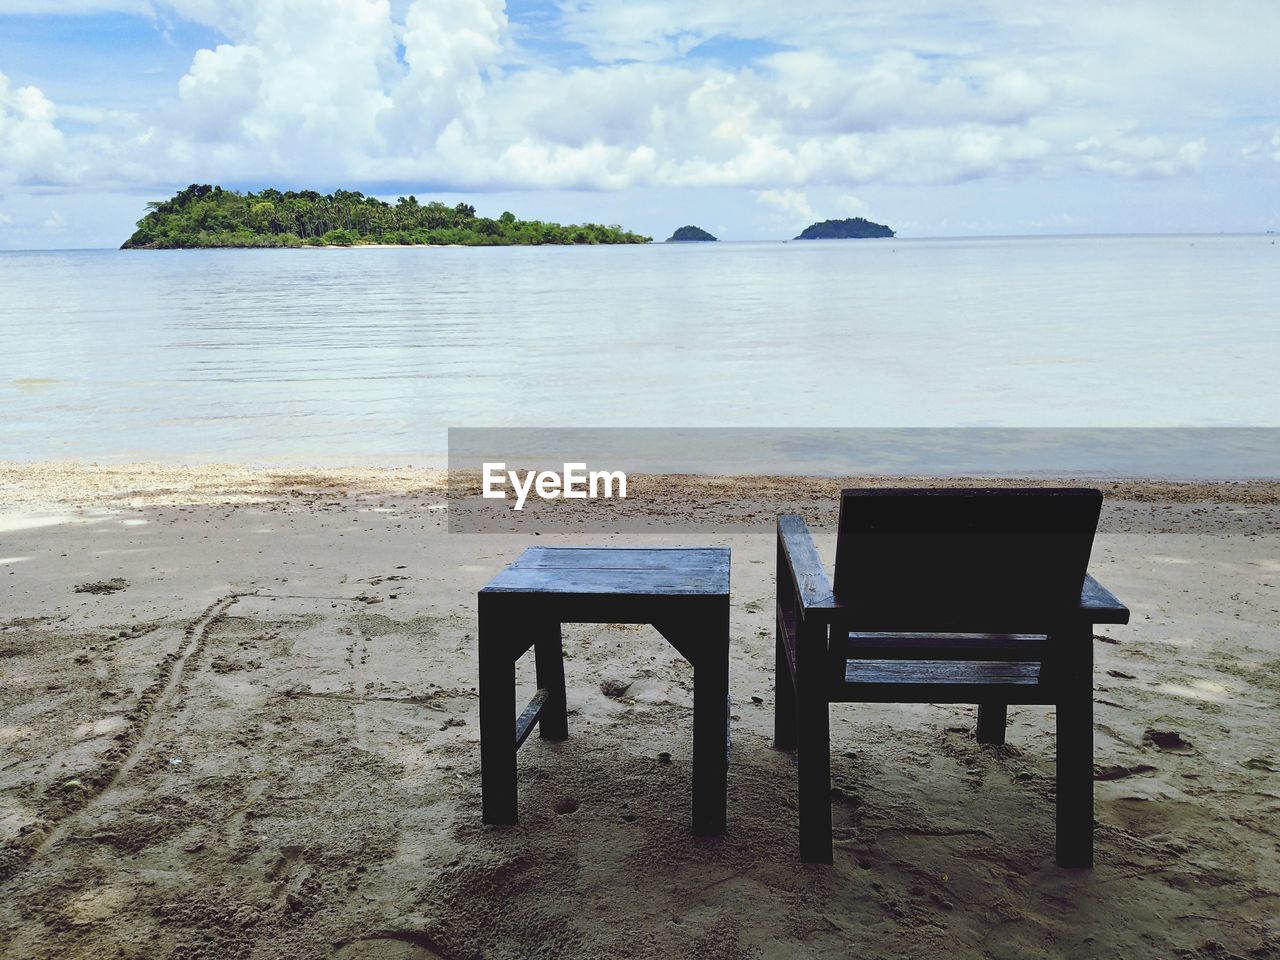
{"x":368,"y":356}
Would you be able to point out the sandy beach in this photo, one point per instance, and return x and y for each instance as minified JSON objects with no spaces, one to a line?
{"x":238,"y":718}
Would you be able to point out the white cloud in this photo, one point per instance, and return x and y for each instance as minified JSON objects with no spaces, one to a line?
{"x":306,"y":80}
{"x":833,"y":94}
{"x":221,"y":90}
{"x":31,"y":145}
{"x":835,"y":112}
{"x":448,"y":47}
{"x":1141,"y":157}
{"x":792,"y":202}
{"x":54,"y":221}
{"x":1268,"y":149}
{"x":6,"y":220}
{"x":822,"y":93}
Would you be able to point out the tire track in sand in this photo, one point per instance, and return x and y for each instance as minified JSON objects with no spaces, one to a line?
{"x":141,"y":733}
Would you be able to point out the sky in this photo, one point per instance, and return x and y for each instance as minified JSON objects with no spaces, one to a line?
{"x":750,"y":118}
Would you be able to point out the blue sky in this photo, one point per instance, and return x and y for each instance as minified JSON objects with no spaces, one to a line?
{"x":748,"y":117}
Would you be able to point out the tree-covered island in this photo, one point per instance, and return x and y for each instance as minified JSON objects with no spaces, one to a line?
{"x":855,"y":228}
{"x":690,"y":234}
{"x":209,"y":216}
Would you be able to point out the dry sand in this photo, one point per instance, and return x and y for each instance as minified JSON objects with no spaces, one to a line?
{"x":238,"y":719}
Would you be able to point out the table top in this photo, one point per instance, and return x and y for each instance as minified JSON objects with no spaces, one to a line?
{"x":621,"y":571}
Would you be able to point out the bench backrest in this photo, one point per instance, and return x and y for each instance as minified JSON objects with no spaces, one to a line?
{"x":964,"y":559}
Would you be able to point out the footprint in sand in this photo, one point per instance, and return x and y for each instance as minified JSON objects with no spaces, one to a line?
{"x":1118,"y":771}
{"x":1171,"y":741}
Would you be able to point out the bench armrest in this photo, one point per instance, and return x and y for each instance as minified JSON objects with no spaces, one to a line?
{"x":1099,"y":605}
{"x":798,"y":557}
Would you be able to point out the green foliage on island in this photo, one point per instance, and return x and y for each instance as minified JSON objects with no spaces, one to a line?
{"x":689,"y":234}
{"x":855,"y":228}
{"x":208,"y":216}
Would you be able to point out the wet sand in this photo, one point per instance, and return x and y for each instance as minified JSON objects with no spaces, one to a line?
{"x":238,"y":719}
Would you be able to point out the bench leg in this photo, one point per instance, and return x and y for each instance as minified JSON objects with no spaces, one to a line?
{"x":814,"y":748}
{"x":784,"y":699}
{"x":497,"y":719}
{"x":992,"y":719}
{"x":549,"y":658}
{"x":711,"y":727}
{"x":1075,"y":760}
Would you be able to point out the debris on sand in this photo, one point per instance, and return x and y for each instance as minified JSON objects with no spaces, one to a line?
{"x":1261,"y":763}
{"x":113,"y":585}
{"x":614,"y":687}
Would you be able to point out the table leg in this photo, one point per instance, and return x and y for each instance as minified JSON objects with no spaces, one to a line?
{"x":784,"y":697}
{"x":497,"y":716}
{"x":549,"y":657}
{"x":813,"y":755}
{"x":1075,"y":754}
{"x":992,"y":720}
{"x":711,"y":724}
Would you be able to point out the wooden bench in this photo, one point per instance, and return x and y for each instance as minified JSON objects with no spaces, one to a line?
{"x":683,"y":593}
{"x":976,"y":595}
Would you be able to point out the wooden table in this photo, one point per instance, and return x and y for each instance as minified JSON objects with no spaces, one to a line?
{"x":682,"y":592}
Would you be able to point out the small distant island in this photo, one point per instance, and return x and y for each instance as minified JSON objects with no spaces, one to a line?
{"x":209,"y":216}
{"x":855,"y":228}
{"x":689,"y":234}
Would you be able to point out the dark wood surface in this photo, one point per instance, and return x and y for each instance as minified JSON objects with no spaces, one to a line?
{"x":683,"y":592}
{"x":1099,"y":605}
{"x":1073,"y":719}
{"x":497,"y":705}
{"x":993,"y":718}
{"x":964,"y":672}
{"x":617,"y":571}
{"x":813,"y":741}
{"x":532,"y":713}
{"x":1096,"y":604}
{"x":553,"y":722}
{"x":802,"y":565}
{"x":942,"y":681}
{"x":934,"y":606}
{"x":977,"y":554}
{"x":947,"y":646}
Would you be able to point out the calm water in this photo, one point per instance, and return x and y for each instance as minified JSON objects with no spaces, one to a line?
{"x":367,"y":355}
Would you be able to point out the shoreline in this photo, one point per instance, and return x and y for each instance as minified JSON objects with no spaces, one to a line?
{"x":59,"y":482}
{"x":692,"y":507}
{"x":949,"y":238}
